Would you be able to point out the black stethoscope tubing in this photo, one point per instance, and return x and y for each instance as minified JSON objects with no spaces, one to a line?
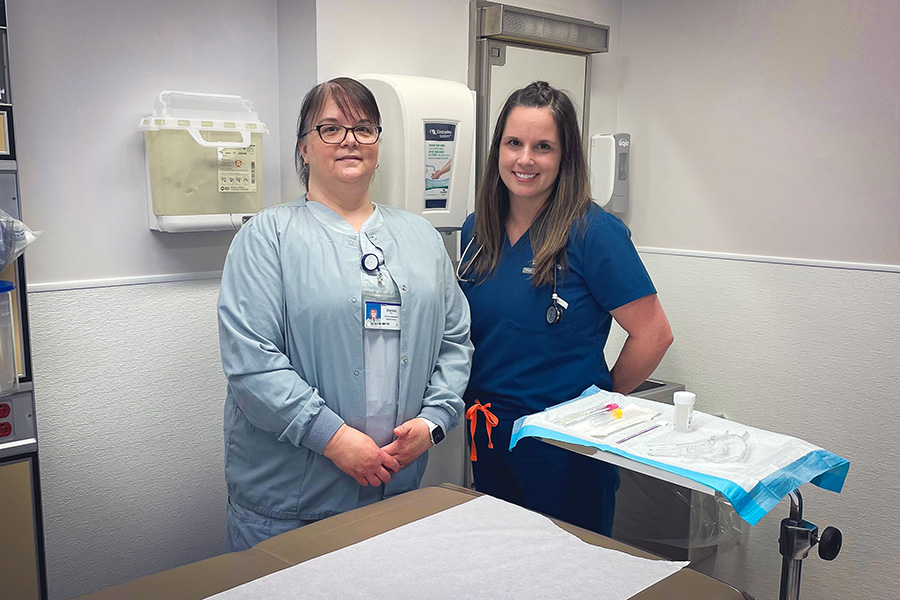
{"x":554,"y":312}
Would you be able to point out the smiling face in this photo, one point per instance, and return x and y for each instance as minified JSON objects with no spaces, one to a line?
{"x":530,"y":153}
{"x":334,"y":165}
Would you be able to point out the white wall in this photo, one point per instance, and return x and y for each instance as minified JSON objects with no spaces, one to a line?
{"x":766,"y":127}
{"x":296,"y":75}
{"x":83,"y":75}
{"x":402,"y":38}
{"x":129,"y":393}
{"x":739,"y":103}
{"x":809,"y":352}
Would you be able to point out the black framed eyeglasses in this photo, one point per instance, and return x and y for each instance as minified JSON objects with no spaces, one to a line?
{"x":331,"y":133}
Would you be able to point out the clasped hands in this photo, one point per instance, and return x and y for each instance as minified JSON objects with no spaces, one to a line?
{"x":357,"y":455}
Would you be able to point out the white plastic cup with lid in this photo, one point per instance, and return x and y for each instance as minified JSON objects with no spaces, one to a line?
{"x":8,"y":374}
{"x":684,"y":410}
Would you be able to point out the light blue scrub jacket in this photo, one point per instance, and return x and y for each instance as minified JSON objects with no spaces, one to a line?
{"x":291,"y":337}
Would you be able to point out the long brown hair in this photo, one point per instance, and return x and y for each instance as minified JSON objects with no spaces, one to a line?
{"x":568,"y":201}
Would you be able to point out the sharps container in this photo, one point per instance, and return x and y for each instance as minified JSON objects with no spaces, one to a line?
{"x":8,"y":373}
{"x":204,"y":161}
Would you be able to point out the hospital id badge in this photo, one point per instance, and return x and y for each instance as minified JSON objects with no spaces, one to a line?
{"x":382,"y":315}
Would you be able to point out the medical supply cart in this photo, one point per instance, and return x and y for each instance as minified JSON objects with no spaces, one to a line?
{"x":753,"y":469}
{"x":22,"y":564}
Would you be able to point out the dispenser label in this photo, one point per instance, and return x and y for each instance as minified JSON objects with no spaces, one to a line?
{"x":237,"y":169}
{"x":440,"y":139}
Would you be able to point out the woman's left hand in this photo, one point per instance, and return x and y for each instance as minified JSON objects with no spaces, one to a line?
{"x":413,"y":438}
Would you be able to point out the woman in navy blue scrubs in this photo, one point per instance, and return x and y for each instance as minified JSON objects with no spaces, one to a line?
{"x":546,"y":271}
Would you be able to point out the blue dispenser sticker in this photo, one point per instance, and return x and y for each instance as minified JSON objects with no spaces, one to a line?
{"x":440,"y":139}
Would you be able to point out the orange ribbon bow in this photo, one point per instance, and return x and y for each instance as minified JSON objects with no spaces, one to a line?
{"x":490,"y":420}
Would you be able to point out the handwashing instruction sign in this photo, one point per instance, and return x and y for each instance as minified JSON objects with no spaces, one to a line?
{"x":237,"y":169}
{"x":440,"y":139}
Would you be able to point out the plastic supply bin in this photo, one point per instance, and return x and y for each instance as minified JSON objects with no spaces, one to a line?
{"x":204,"y":161}
{"x":9,"y":376}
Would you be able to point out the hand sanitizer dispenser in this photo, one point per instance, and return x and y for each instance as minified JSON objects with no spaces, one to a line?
{"x":610,"y":163}
{"x":204,"y":162}
{"x":427,"y":150}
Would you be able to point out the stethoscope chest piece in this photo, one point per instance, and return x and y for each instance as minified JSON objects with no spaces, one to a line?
{"x":557,"y":306}
{"x":554,"y":314}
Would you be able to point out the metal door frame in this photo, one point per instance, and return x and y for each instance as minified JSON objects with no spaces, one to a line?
{"x":480,"y":62}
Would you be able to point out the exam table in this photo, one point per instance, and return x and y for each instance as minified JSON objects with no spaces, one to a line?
{"x":202,"y":579}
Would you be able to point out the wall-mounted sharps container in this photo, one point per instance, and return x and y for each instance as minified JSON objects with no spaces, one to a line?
{"x":8,"y":373}
{"x":204,"y":162}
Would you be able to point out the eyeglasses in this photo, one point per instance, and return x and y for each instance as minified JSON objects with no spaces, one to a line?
{"x":335,"y":134}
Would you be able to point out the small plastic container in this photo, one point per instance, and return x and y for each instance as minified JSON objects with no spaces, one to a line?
{"x":684,"y":411}
{"x":9,"y":377}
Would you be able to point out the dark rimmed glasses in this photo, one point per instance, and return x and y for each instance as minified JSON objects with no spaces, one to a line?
{"x":331,"y":133}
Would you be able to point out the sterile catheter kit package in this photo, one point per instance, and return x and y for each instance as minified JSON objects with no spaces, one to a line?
{"x":15,"y":236}
{"x":752,"y":468}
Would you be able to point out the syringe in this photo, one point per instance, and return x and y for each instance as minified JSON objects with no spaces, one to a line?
{"x":584,"y":415}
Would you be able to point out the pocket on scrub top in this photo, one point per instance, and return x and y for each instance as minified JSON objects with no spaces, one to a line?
{"x":539,"y":326}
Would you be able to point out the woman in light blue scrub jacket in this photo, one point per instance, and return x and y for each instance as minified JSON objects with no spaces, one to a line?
{"x":328,"y":409}
{"x":546,"y":271}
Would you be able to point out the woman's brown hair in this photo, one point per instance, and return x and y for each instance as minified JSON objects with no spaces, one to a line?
{"x":568,"y":201}
{"x":351,"y":98}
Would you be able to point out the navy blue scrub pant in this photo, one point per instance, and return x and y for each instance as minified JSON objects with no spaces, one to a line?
{"x":544,"y":478}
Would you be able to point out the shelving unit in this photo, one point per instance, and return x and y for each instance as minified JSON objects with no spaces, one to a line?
{"x":22,"y":557}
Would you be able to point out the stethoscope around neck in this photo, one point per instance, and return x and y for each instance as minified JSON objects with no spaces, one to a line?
{"x":554,"y":312}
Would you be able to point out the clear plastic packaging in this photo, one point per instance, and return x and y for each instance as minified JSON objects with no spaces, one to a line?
{"x":719,"y":448}
{"x":599,"y":415}
{"x":673,"y":521}
{"x":15,"y":236}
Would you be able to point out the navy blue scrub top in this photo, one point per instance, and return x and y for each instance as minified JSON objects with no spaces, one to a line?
{"x":522,"y":364}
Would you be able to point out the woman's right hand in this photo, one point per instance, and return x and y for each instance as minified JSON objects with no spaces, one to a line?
{"x":357,"y":455}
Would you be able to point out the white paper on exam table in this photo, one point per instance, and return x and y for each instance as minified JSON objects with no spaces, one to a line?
{"x":486,"y":547}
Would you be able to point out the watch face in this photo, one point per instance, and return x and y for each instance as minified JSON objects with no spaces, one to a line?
{"x":437,"y":435}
